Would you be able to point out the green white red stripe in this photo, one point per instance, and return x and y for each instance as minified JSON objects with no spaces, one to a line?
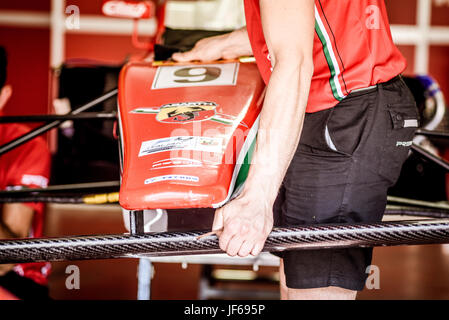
{"x":331,"y":58}
{"x":242,"y":165}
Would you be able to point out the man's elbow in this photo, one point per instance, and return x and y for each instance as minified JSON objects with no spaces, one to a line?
{"x":300,"y":64}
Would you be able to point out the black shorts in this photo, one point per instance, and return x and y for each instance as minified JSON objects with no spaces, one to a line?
{"x":24,"y":288}
{"x":347,"y":158}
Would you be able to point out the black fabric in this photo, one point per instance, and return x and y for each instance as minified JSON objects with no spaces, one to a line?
{"x":23,"y":288}
{"x":184,"y":40}
{"x":89,"y":153}
{"x":346,"y":185}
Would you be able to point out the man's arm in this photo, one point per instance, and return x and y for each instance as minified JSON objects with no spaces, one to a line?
{"x":228,"y":46}
{"x":15,"y":222}
{"x":288,"y":27}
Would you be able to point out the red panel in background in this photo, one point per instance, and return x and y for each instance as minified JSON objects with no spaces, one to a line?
{"x":103,"y":48}
{"x":439,"y":67}
{"x":440,"y":14}
{"x":409,"y":54}
{"x":401,"y":11}
{"x":29,"y":5}
{"x":87,"y":6}
{"x":28,"y":70}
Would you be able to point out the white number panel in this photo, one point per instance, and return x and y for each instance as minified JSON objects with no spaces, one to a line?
{"x":196,"y":76}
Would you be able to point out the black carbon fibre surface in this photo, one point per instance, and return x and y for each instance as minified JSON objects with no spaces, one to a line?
{"x":184,"y":243}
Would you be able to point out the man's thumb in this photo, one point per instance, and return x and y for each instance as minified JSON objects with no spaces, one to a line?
{"x":181,"y":56}
{"x":218,"y":220}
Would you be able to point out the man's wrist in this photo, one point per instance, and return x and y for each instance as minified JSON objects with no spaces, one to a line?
{"x":238,"y":38}
{"x":261,"y":189}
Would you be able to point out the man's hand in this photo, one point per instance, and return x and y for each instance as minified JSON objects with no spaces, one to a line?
{"x":5,"y":268}
{"x":228,"y":46}
{"x":246,"y":223}
{"x":15,"y":222}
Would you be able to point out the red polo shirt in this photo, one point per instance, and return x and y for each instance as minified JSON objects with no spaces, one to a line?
{"x":26,"y":166}
{"x":353,"y":48}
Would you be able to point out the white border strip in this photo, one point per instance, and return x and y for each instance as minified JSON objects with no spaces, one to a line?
{"x":32,"y":19}
{"x":57,"y":30}
{"x":103,"y":25}
{"x":402,"y":34}
{"x":89,"y":23}
{"x":424,"y":13}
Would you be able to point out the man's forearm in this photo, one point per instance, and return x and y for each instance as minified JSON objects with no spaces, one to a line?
{"x":280,"y":127}
{"x":15,"y":220}
{"x":244,"y":223}
{"x":5,"y":232}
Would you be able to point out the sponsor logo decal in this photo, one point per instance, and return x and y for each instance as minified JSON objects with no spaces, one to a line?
{"x":411,"y":123}
{"x":187,"y":112}
{"x":403,"y":143}
{"x":29,"y":179}
{"x":172,"y":177}
{"x":204,"y":144}
{"x":176,"y":163}
{"x":125,"y":9}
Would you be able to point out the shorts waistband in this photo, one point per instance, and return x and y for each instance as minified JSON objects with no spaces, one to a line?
{"x":374,"y":87}
{"x":364,"y":89}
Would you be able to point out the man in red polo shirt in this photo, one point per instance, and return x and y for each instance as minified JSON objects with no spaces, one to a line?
{"x":26,"y":166}
{"x":343,"y":121}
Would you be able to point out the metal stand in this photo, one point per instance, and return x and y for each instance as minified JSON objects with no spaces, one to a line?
{"x":430,"y":157}
{"x":144,"y":279}
{"x":186,"y":243}
{"x":48,"y":126}
{"x":136,"y":224}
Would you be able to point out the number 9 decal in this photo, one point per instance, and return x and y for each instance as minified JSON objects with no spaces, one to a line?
{"x":197,"y":74}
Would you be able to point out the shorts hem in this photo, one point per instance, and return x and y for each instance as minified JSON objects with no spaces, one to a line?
{"x":349,"y":284}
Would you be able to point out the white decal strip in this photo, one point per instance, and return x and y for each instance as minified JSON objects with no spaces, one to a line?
{"x":172,"y":177}
{"x":204,"y":144}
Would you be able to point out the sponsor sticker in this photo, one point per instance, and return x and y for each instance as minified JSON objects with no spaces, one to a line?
{"x":176,"y":163}
{"x":126,"y":9}
{"x":37,"y":180}
{"x":172,"y":177}
{"x":404,"y":143}
{"x":411,"y":123}
{"x":204,"y":144}
{"x":187,"y":112}
{"x":224,"y":74}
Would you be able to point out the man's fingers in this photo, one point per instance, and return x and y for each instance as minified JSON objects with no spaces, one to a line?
{"x":246,"y":248}
{"x":183,"y":56}
{"x":224,"y":240}
{"x":234,"y":245}
{"x":178,"y":56}
{"x":257,"y":248}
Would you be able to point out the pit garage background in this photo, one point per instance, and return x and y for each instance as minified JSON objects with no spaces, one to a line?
{"x":45,"y":43}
